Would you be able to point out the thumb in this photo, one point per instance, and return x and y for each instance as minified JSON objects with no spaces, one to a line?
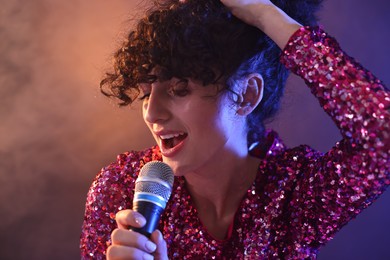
{"x":161,"y":251}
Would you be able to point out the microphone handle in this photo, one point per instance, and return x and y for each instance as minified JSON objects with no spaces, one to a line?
{"x":152,"y":214}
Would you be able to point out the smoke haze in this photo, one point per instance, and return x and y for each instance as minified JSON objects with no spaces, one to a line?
{"x":57,"y":130}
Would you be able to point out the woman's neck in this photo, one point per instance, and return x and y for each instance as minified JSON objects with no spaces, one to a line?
{"x":218,"y":190}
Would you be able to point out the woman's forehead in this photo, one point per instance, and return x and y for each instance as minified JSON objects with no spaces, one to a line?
{"x":161,"y":74}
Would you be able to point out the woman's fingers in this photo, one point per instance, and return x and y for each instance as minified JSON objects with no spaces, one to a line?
{"x":130,"y":238}
{"x":127,"y":244}
{"x":161,"y":252}
{"x":265,"y":16}
{"x":126,"y":218}
{"x":117,"y":252}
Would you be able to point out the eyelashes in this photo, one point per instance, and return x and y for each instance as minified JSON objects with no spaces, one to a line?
{"x":178,"y":88}
{"x":144,"y":89}
{"x":144,"y":96}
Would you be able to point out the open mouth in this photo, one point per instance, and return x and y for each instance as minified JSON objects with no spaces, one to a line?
{"x":171,"y":140}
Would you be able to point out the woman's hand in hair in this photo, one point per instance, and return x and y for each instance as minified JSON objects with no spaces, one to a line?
{"x":265,"y":16}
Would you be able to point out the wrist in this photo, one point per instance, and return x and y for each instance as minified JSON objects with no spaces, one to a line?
{"x":275,"y":23}
{"x":262,"y":13}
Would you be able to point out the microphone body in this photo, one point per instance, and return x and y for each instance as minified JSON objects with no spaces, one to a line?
{"x":153,"y":188}
{"x":152,"y":214}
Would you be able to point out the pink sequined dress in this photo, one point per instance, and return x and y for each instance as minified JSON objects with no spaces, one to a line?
{"x":300,"y":198}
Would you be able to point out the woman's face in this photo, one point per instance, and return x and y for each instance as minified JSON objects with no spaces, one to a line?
{"x":192,"y":124}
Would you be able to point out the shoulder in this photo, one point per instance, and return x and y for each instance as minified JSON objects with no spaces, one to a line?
{"x":119,"y":176}
{"x":272,"y":149}
{"x":280,"y":163}
{"x":292,"y":162}
{"x":129,"y":163}
{"x":111,"y":191}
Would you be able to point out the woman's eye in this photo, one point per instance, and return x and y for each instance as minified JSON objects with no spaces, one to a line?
{"x":179,"y":89}
{"x":144,"y":96}
{"x":144,"y":89}
{"x":180,"y":92}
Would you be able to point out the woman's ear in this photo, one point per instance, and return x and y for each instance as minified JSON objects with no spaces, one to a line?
{"x":250,"y":94}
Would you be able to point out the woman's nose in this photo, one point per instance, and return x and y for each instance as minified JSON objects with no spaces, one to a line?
{"x":156,"y":108}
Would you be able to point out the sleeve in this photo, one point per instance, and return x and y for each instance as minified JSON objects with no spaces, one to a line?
{"x":110,"y":192}
{"x":336,"y":186}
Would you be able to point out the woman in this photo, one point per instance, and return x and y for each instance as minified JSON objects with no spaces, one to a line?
{"x":208,"y":81}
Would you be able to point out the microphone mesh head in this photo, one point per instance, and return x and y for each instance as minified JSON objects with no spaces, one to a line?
{"x":157,"y":178}
{"x":159,"y":170}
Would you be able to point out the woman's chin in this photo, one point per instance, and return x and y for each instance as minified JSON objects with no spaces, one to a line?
{"x":176,"y":167}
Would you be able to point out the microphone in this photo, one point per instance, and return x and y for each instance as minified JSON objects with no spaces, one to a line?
{"x":153,"y":188}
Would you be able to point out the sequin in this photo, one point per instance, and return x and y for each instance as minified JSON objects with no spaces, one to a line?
{"x":300,"y":197}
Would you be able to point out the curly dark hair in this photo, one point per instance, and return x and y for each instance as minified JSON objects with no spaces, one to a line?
{"x":202,"y":40}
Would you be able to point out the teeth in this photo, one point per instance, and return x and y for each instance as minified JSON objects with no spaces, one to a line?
{"x":169,"y":136}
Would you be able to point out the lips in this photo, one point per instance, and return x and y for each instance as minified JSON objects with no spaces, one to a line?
{"x":169,"y":141}
{"x":172,"y":142}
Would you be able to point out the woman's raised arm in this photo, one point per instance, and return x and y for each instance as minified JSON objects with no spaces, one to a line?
{"x":265,"y":16}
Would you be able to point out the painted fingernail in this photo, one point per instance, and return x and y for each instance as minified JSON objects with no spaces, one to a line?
{"x":138,"y":219}
{"x":147,"y":257}
{"x":150,"y":246}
